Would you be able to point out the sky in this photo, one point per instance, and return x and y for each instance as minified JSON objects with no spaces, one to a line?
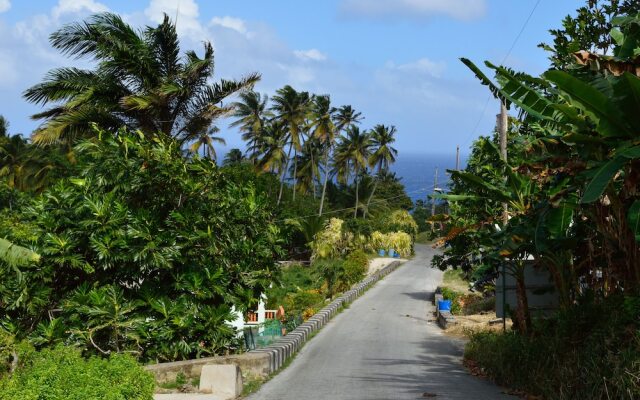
{"x":396,"y":61}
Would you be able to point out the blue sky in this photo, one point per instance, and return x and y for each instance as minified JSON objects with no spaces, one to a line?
{"x":396,"y":61}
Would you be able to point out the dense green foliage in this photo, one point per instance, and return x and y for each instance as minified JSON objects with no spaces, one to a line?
{"x":143,"y":251}
{"x":587,"y":352}
{"x":570,"y":186}
{"x":61,"y":373}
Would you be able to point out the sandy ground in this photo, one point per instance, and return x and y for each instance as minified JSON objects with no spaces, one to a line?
{"x":475,"y":323}
{"x":377,"y":264}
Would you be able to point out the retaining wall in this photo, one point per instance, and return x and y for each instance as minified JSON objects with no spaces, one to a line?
{"x":269,"y":359}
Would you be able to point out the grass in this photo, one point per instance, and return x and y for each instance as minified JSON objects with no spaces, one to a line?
{"x":454,"y":279}
{"x":424,"y":238}
{"x":589,"y":351}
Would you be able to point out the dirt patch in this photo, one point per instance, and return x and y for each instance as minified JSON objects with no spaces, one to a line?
{"x":466,"y":324}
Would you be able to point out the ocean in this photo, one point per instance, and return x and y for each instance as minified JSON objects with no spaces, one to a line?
{"x":417,"y":172}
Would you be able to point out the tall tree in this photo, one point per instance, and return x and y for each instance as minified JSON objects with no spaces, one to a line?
{"x":382,"y":155}
{"x":252,"y":114}
{"x":207,"y":140}
{"x":357,"y":145}
{"x":234,"y":157}
{"x":291,"y":108}
{"x":140,"y":81}
{"x":324,"y":130}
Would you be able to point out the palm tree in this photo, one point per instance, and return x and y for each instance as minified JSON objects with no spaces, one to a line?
{"x":140,"y":82}
{"x":308,"y":167}
{"x":252,"y":114}
{"x":207,"y":140}
{"x":4,"y":127}
{"x":291,"y":108}
{"x":272,"y":148}
{"x":357,"y":145}
{"x":234,"y":157}
{"x":324,"y":130}
{"x":383,"y":154}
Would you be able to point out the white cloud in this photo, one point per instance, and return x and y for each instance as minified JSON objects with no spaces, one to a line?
{"x":311,"y":54}
{"x":184,"y":12}
{"x":422,"y":66}
{"x":75,"y":6}
{"x":5,"y":5}
{"x":235,"y":24}
{"x":414,"y":9}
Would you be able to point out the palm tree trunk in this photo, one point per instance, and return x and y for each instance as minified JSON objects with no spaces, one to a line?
{"x":286,"y":166}
{"x":313,"y":183}
{"x":355,"y":211}
{"x":375,"y":186}
{"x":295,"y":172}
{"x":326,"y":178}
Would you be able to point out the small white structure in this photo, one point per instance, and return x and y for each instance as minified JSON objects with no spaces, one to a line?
{"x":257,"y":318}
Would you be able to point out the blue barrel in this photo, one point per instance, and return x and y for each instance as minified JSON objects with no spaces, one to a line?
{"x":444,"y":305}
{"x":392,"y":253}
{"x":382,"y":253}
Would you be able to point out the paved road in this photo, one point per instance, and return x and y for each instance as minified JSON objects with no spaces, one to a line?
{"x":383,"y":347}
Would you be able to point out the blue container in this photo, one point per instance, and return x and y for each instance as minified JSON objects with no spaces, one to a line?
{"x":392,"y":253}
{"x":382,"y":253}
{"x":444,"y":305}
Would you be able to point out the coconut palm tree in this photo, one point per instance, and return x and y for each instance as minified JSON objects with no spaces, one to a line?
{"x":357,"y":145}
{"x":324,"y":130}
{"x":234,"y":157}
{"x":207,"y":140}
{"x":308,"y":166}
{"x":251,"y":113}
{"x":140,"y":81}
{"x":382,"y":154}
{"x":291,"y":109}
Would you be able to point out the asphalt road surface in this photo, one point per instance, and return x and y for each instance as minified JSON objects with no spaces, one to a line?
{"x":383,"y":347}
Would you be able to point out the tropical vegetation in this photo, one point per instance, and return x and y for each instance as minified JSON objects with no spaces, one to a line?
{"x":570,"y":186}
{"x":120,"y":234}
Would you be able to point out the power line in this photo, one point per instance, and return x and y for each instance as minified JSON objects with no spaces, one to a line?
{"x":351,"y":208}
{"x":513,"y":45}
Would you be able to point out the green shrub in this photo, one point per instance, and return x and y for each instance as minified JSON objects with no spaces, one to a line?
{"x":591,"y":351}
{"x":354,"y":270}
{"x":62,"y":374}
{"x":331,"y":271}
{"x":303,"y":302}
{"x":401,"y":221}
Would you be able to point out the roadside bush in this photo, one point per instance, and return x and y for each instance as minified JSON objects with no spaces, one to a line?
{"x":62,"y":374}
{"x":331,"y":270}
{"x":591,"y":351}
{"x":354,"y":270}
{"x":303,"y":302}
{"x":401,"y":221}
{"x":331,"y":242}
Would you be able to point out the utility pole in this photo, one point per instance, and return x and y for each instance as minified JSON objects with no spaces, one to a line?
{"x":433,"y":201}
{"x":458,"y":158}
{"x":503,"y":124}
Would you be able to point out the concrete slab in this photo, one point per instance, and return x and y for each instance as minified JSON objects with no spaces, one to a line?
{"x":223,"y":381}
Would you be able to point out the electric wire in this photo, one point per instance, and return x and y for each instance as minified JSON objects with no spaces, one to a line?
{"x":513,"y":45}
